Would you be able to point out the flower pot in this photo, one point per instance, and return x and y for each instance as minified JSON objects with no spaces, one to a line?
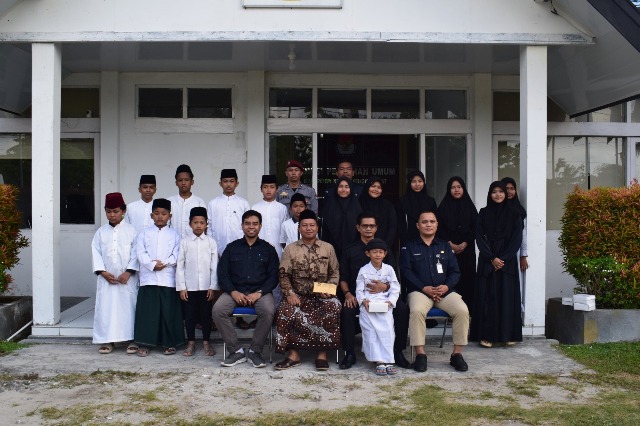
{"x":15,"y":312}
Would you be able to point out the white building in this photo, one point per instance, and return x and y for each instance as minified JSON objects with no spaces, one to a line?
{"x":95,"y":93}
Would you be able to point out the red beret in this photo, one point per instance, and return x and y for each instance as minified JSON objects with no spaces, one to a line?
{"x":295,"y":163}
{"x":113,"y":200}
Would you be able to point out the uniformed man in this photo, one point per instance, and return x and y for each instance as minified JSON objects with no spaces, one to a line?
{"x":430,"y":271}
{"x":294,"y":172}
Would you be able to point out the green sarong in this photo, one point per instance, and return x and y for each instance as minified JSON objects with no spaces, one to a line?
{"x":158,"y":317}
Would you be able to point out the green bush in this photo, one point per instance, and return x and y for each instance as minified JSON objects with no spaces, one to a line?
{"x":600,"y":243}
{"x":11,"y":240}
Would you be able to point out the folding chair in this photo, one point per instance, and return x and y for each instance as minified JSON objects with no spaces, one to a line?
{"x":241,"y":312}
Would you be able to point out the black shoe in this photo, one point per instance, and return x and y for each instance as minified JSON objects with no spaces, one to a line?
{"x":458,"y":362}
{"x":347,"y":361}
{"x":420,"y":364}
{"x":401,"y":361}
{"x":431,"y":323}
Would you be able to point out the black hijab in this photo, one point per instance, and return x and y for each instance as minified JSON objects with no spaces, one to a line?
{"x":497,"y":219}
{"x":457,"y":217}
{"x":340,"y":216}
{"x":413,"y":203}
{"x":514,"y":203}
{"x":383,"y":210}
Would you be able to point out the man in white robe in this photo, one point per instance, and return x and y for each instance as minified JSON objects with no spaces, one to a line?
{"x":139,"y":212}
{"x":273,"y":213}
{"x":225,"y":211}
{"x":183,"y":202}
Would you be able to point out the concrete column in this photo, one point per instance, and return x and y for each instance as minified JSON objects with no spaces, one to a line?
{"x":109,"y":159}
{"x":46,"y":78}
{"x":256,"y":133}
{"x":533,"y":178}
{"x":481,"y":169}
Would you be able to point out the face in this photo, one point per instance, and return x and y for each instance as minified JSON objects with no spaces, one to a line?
{"x":456,"y":190}
{"x":367,"y":227}
{"x":497,"y":195}
{"x":228,"y":186}
{"x":198,"y":225}
{"x":184,"y":182}
{"x":293,"y":174}
{"x":345,"y":170}
{"x":160,"y":216}
{"x":376,"y":255}
{"x":511,"y":190}
{"x":343,"y":189}
{"x":427,"y":224}
{"x":147,"y":191}
{"x":251,"y":226}
{"x":417,"y":184}
{"x":268,"y":191}
{"x":375,"y":190}
{"x":114,"y":216}
{"x":297,"y":207}
{"x":308,"y":229}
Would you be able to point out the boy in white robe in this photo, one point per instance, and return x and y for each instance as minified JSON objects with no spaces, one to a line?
{"x":289,"y":232}
{"x":377,"y":327}
{"x":139,"y":212}
{"x":115,"y":263}
{"x":184,"y":201}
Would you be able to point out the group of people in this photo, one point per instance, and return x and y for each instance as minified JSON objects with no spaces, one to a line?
{"x":169,"y":265}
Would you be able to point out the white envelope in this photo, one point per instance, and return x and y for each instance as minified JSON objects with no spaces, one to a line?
{"x":378,"y":307}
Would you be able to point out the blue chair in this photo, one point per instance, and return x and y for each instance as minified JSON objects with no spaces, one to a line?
{"x":241,"y":312}
{"x":438,"y":315}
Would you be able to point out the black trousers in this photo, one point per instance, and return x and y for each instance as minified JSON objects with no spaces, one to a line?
{"x":197,"y":310}
{"x":350,"y":326}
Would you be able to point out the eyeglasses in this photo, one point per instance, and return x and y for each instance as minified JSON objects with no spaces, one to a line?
{"x":367,"y":226}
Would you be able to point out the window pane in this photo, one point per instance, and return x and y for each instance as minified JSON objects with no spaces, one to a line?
{"x":15,"y":169}
{"x":635,"y":111}
{"x":506,"y":106}
{"x":283,"y":148}
{"x":165,"y":103}
{"x":76,"y":181}
{"x":209,"y":103}
{"x":443,"y":104}
{"x":614,"y":114}
{"x":566,"y":168}
{"x":509,"y":159}
{"x":342,"y":103}
{"x":446,"y":157}
{"x":80,"y":103}
{"x":395,"y":104}
{"x":290,"y":103}
{"x":606,"y":161}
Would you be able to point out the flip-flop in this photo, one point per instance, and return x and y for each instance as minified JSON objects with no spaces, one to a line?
{"x":132,"y":348}
{"x":208,"y":350}
{"x":106,"y":348}
{"x":143,"y":352}
{"x":170,"y":351}
{"x":189,"y":350}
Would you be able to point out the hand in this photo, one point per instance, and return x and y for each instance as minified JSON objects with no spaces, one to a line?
{"x":293,"y":299}
{"x":210,"y":294}
{"x":365,"y":303}
{"x":184,"y":295}
{"x":253,"y":298}
{"x":376,"y":286}
{"x":431,"y":293}
{"x":239,"y":298}
{"x":458,"y":248}
{"x":124,"y":277}
{"x":524,"y":263}
{"x":497,"y":263}
{"x":159,"y":265}
{"x":350,"y":301}
{"x":441,"y":290}
{"x":109,"y":277}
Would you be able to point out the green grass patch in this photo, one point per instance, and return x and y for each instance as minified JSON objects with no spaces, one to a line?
{"x":620,"y":357}
{"x":8,"y":347}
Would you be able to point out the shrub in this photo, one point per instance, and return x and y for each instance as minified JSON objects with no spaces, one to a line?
{"x":600,"y":243}
{"x":11,"y":240}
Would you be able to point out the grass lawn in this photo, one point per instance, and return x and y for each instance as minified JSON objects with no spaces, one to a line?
{"x":6,"y":347}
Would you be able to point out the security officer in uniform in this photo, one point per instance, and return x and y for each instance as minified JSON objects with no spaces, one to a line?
{"x":430,"y":271}
{"x":294,"y":172}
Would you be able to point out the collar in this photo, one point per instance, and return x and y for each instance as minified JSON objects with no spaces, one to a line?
{"x":301,"y":243}
{"x":195,"y":237}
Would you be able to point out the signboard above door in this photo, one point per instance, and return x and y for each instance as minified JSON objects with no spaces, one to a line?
{"x":294,"y":4}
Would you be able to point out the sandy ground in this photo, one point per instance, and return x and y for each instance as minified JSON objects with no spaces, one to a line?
{"x":37,"y":380}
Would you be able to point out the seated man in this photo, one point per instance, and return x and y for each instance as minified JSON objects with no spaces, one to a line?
{"x":247,"y":273}
{"x":430,"y":270}
{"x":354,"y":258}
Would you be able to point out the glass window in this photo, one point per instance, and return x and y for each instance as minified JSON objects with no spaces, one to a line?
{"x":635,"y":111}
{"x":290,"y":103}
{"x":166,"y":103}
{"x":506,"y":106}
{"x":607,"y":157}
{"x":446,"y":157}
{"x":614,"y":114}
{"x":80,"y":103}
{"x":339,"y":103}
{"x":76,"y":176}
{"x":209,"y":103}
{"x":444,"y":104}
{"x":283,"y":148}
{"x":395,"y":104}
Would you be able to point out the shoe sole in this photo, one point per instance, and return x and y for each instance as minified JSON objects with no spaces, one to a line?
{"x":258,"y":365}
{"x":240,"y":361}
{"x":286,"y":368}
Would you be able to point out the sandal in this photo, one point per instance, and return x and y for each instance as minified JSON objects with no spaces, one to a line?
{"x":208,"y":350}
{"x":107,"y":348}
{"x":132,"y":348}
{"x":381,"y":370}
{"x":391,"y":370}
{"x":143,"y":352}
{"x":188,"y":351}
{"x":170,"y":351}
{"x":485,"y":343}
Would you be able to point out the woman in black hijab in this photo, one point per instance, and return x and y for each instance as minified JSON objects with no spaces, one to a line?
{"x":414,"y":201}
{"x":372,"y":201}
{"x":497,"y":310}
{"x":514,"y":202}
{"x":457,"y":216}
{"x":340,"y":215}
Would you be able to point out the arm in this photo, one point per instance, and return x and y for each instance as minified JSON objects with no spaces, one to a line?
{"x":272,"y":270}
{"x":224,"y":277}
{"x":214,"y":264}
{"x":181,"y":283}
{"x":313,"y":202}
{"x":143,"y":257}
{"x":453,"y":270}
{"x":360,"y":296}
{"x":210,"y":230}
{"x":96,"y":254}
{"x":174,"y":243}
{"x":511,"y":249}
{"x":483,"y":246}
{"x":284,"y":272}
{"x":333,"y":271}
{"x":410,"y":278}
{"x":394,"y":289}
{"x":523,"y":246}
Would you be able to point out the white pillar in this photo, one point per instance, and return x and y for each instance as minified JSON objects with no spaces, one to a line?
{"x":256,"y":133}
{"x":482,"y":140}
{"x":45,"y":97}
{"x":109,"y":138}
{"x":533,"y":179}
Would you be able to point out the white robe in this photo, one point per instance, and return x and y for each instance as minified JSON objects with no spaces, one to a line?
{"x":139,"y":214}
{"x":197,"y":264}
{"x":225,"y":219}
{"x":289,"y":232}
{"x":273,"y":215}
{"x":378,"y":334}
{"x":161,"y":244}
{"x":180,"y":210}
{"x":113,"y":250}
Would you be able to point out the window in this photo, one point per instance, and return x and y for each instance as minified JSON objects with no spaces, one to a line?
{"x":165,"y":103}
{"x":446,"y":157}
{"x":209,"y":103}
{"x":283,"y":148}
{"x":395,"y":104}
{"x":290,"y":103}
{"x":185,"y":102}
{"x":445,"y":104}
{"x":339,"y":103}
{"x":77,"y":170}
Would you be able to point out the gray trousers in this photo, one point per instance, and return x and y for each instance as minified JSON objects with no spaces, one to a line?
{"x":222,"y":311}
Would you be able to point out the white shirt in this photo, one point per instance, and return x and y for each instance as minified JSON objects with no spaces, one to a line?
{"x":289,"y":232}
{"x":273,"y":215}
{"x":180,"y":210}
{"x":162,"y":244}
{"x":225,"y":219}
{"x":139,"y":214}
{"x":385,"y":274}
{"x":197,"y":264}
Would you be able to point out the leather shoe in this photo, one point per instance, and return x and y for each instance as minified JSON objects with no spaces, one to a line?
{"x":420,"y":364}
{"x":401,"y":361}
{"x":286,"y":364}
{"x":347,"y":361}
{"x":458,"y":362}
{"x":322,"y":364}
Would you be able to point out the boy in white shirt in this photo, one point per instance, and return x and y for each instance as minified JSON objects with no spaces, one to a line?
{"x":139,"y":212}
{"x":197,"y":279}
{"x":289,"y":231}
{"x":225,"y":211}
{"x":182,"y":203}
{"x":377,"y":327}
{"x":158,"y":311}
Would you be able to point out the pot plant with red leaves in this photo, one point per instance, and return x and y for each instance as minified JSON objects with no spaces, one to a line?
{"x":11,"y":240}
